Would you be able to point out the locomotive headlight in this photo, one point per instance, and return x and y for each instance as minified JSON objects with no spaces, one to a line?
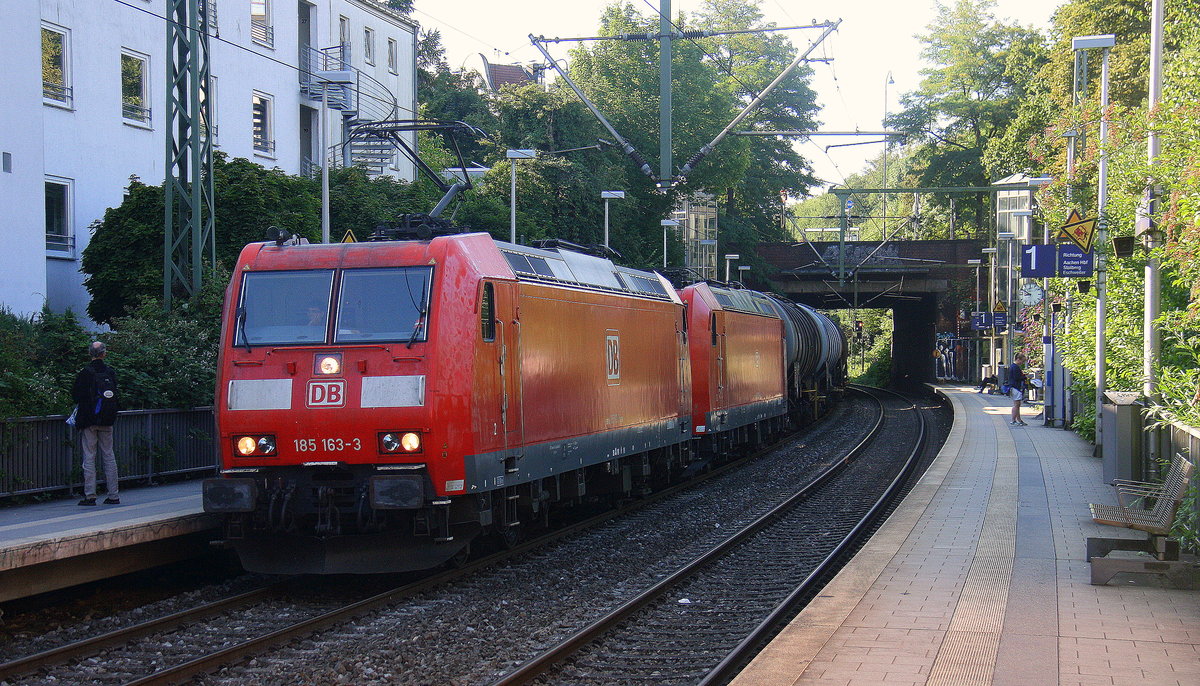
{"x":400,"y":442}
{"x":389,"y":442}
{"x":259,"y":445}
{"x":411,"y":442}
{"x":328,"y":364}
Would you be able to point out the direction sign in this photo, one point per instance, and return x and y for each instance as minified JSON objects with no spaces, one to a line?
{"x":1000,"y":320}
{"x":1072,"y":262}
{"x":1037,"y":261}
{"x":1078,"y":230}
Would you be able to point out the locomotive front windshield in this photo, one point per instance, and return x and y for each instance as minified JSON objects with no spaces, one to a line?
{"x":383,"y":305}
{"x":370,"y":305}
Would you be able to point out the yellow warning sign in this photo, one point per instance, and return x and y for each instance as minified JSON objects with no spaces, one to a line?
{"x":1080,"y":231}
{"x":999,"y":307}
{"x":349,"y":237}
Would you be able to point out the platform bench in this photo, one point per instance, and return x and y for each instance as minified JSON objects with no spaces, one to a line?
{"x":1156,"y":522}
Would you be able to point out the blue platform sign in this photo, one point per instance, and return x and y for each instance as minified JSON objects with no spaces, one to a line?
{"x":1000,"y":320}
{"x":1073,"y":262}
{"x":1037,"y":261}
{"x":981,"y":320}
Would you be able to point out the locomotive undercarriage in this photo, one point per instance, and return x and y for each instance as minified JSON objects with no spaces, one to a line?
{"x":358,"y":519}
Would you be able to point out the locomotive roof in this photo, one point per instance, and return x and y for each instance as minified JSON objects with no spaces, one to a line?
{"x":742,"y":300}
{"x":556,"y":265}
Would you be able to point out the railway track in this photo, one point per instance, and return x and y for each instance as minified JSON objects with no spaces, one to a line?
{"x":269,"y":624}
{"x":702,"y":623}
{"x":162,"y":650}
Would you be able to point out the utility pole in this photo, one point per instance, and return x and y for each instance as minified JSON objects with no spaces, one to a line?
{"x":664,"y":94}
{"x":188,"y":187}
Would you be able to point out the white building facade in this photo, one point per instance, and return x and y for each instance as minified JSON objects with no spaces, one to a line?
{"x":85,"y":109}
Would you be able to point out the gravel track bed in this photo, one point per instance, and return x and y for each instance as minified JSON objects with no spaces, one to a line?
{"x":679,"y":638}
{"x":474,"y":630}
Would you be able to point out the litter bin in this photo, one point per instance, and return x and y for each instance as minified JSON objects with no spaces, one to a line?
{"x":1122,"y":434}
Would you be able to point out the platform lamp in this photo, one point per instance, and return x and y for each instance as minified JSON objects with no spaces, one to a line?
{"x":976,"y":263}
{"x":513,"y":156}
{"x":1007,"y":237}
{"x":991,"y":297}
{"x":609,"y":195}
{"x":731,"y":257}
{"x":742,"y":269}
{"x":667,"y":224}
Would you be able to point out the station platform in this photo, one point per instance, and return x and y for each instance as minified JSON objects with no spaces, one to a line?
{"x":979,"y":577}
{"x":53,"y":545}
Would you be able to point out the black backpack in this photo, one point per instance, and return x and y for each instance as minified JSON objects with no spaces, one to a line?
{"x":104,"y":386}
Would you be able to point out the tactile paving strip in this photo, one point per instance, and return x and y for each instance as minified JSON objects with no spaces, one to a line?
{"x":968,"y":653}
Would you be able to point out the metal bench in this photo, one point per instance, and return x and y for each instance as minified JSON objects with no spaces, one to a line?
{"x":1156,"y":522}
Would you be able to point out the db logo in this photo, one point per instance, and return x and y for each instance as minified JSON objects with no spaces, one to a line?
{"x":326,"y":393}
{"x":612,"y":349}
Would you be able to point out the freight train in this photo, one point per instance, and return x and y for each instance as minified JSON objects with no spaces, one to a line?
{"x":380,"y":405}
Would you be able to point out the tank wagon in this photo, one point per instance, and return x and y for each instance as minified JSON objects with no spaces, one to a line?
{"x":380,"y":405}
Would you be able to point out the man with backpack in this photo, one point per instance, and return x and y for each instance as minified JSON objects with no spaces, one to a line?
{"x":95,"y":392}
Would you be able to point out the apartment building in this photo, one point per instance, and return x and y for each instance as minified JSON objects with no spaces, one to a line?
{"x":85,"y":109}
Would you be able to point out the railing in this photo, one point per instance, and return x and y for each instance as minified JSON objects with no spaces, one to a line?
{"x":57,"y":92}
{"x":135,"y":112}
{"x":264,"y":145}
{"x":42,"y":454}
{"x":262,"y":33}
{"x":61,"y":242}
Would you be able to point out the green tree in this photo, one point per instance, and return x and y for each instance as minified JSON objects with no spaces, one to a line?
{"x":980,"y":69}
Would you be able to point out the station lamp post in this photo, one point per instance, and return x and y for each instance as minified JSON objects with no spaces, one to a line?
{"x":1080,"y":45}
{"x":742,"y":269}
{"x":667,"y":224}
{"x":976,"y":264}
{"x":609,"y":195}
{"x":513,"y":156}
{"x":731,"y":257}
{"x":991,"y":298}
{"x":1007,"y":237}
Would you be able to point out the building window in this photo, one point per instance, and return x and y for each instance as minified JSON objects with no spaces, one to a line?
{"x":393,"y":55}
{"x":264,"y":133}
{"x":368,"y":46}
{"x":261,"y":31}
{"x":56,"y":72}
{"x":344,"y":32}
{"x":58,"y":216}
{"x":135,"y":87}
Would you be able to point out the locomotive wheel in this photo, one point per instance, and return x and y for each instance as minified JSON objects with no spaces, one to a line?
{"x":510,"y":536}
{"x":460,"y":558}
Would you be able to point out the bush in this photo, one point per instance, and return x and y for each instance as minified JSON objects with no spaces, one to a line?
{"x":39,"y":358}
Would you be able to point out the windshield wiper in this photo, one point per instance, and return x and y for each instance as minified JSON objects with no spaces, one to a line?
{"x":420,"y":316}
{"x":241,"y":326}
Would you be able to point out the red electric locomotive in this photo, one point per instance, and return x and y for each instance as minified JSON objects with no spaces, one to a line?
{"x":380,"y":404}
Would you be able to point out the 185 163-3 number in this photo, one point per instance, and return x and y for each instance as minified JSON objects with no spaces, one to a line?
{"x":331,"y":445}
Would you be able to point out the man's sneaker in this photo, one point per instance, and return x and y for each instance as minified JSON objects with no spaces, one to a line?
{"x":112,"y":501}
{"x":88,"y":501}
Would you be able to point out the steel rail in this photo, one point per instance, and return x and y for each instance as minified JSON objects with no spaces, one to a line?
{"x":207,"y":663}
{"x":534,"y":667}
{"x":740,"y":656}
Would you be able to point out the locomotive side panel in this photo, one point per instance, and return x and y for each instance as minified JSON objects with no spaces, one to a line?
{"x":593,"y":382}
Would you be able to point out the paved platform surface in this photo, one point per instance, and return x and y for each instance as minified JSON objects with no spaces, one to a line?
{"x":40,"y":540}
{"x":979,"y":578}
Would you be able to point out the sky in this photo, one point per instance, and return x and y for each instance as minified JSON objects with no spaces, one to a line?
{"x":875,"y":41}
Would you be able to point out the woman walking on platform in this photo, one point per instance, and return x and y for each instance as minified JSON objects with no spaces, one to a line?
{"x":1016,"y":388}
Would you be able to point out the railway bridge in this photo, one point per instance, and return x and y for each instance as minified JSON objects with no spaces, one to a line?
{"x":929,"y":286}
